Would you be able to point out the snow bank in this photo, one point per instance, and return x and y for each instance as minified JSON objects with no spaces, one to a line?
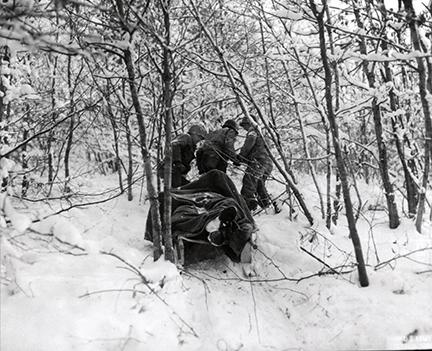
{"x":99,"y":302}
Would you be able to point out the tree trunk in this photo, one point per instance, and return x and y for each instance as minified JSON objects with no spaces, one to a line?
{"x":154,"y":203}
{"x":51,"y":132}
{"x":130,"y":159}
{"x":152,"y":194}
{"x":328,"y":215}
{"x":167,"y":112}
{"x":126,"y":117}
{"x":337,"y":202}
{"x":394,"y":220}
{"x":115,"y":137}
{"x":412,"y":22}
{"x":24,"y":159}
{"x":410,"y":185}
{"x":306,"y":148}
{"x":71,"y":124}
{"x":338,"y":152}
{"x":4,"y":60}
{"x":328,"y":181}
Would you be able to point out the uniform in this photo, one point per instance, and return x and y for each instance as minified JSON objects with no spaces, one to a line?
{"x":259,"y":167}
{"x":183,"y":152}
{"x":218,"y":148}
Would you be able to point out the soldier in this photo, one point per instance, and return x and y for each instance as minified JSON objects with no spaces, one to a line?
{"x":218,"y":148}
{"x":259,"y":166}
{"x":183,"y":152}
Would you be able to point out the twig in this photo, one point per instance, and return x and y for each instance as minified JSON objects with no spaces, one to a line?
{"x":272,"y":262}
{"x":146,"y":282}
{"x":331,"y":242}
{"x":319,"y":260}
{"x":427,"y":271}
{"x":272,"y":200}
{"x":297,"y":280}
{"x":110,"y":290}
{"x":79,"y":205}
{"x":382,"y":264}
{"x":206,"y":287}
{"x":419,"y":262}
{"x":321,"y":273}
{"x":73,"y":246}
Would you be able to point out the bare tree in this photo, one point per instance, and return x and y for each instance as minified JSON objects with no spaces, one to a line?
{"x":394,"y":220}
{"x":422,"y":73}
{"x":319,"y":15}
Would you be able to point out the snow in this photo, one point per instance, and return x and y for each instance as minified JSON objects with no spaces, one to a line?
{"x":287,"y":14}
{"x":20,"y":222}
{"x":6,"y":166}
{"x":114,"y":297}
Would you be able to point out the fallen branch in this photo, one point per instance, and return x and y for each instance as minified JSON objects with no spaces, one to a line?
{"x":274,"y":280}
{"x":319,"y":260}
{"x":146,"y":282}
{"x":427,"y":271}
{"x":382,"y":264}
{"x":110,"y":290}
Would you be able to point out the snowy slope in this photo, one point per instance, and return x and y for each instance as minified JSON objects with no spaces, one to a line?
{"x":66,"y":298}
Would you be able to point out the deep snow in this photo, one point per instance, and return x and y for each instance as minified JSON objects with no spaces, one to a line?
{"x":58,"y":297}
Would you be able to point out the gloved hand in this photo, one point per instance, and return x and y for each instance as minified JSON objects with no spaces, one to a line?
{"x":236,"y":161}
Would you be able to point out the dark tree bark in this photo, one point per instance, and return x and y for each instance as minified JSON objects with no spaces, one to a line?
{"x":154,"y":203}
{"x":51,"y":132}
{"x":126,"y":118}
{"x":4,"y":60}
{"x":130,"y":158}
{"x":421,"y":69}
{"x":115,"y":137}
{"x":71,"y":124}
{"x":337,"y":206}
{"x":407,"y":167}
{"x":167,"y":113}
{"x":319,"y":15}
{"x":394,"y":220}
{"x":24,"y":159}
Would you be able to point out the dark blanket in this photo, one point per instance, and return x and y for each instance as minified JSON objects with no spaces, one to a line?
{"x":197,"y":203}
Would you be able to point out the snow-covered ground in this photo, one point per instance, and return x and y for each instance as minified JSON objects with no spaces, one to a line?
{"x":61,"y":297}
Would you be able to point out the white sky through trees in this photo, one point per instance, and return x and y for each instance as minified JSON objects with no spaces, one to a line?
{"x":419,"y":5}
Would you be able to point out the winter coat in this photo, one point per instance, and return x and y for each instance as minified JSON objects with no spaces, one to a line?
{"x":216,"y":150}
{"x":253,"y":150}
{"x":183,"y":152}
{"x":222,"y":140}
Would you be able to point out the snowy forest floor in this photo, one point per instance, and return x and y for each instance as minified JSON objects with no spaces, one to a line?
{"x":60,"y":297}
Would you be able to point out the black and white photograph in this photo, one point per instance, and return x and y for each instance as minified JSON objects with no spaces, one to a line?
{"x":215,"y":175}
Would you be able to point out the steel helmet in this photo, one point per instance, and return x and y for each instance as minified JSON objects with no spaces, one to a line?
{"x":197,"y":130}
{"x":231,"y":124}
{"x":245,"y":121}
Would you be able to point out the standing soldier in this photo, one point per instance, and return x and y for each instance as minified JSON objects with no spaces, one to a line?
{"x":259,"y":167}
{"x":218,"y":148}
{"x":183,"y":152}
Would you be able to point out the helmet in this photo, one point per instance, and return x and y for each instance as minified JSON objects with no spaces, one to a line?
{"x":245,"y":121}
{"x":197,"y":130}
{"x":231,"y":124}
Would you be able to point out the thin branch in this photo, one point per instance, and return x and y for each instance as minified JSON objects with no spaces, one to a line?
{"x":384,"y":263}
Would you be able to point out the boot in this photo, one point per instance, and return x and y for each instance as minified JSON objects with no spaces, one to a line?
{"x":228,"y":214}
{"x":216,"y":238}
